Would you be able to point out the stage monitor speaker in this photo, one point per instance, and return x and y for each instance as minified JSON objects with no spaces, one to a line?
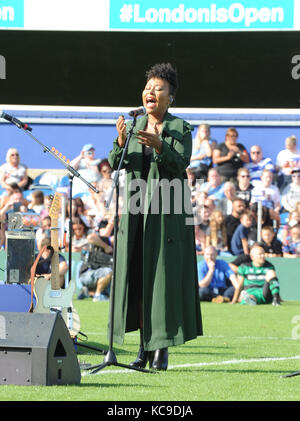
{"x":20,"y":256}
{"x":36,"y":349}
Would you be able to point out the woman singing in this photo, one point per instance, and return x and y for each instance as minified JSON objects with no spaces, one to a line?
{"x":156,"y":285}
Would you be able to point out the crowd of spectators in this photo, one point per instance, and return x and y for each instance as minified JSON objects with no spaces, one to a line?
{"x":228,"y":185}
{"x":237,"y":187}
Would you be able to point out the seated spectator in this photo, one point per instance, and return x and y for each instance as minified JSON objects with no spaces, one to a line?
{"x":239,"y":241}
{"x":229,"y":156}
{"x":292,"y":246}
{"x":93,"y":206}
{"x":14,"y":172}
{"x":6,"y":197}
{"x":293,"y":219}
{"x":257,"y":281}
{"x":94,"y":276}
{"x":202,"y":152}
{"x":201,"y":197}
{"x":271,"y":245}
{"x":37,"y":202}
{"x":213,"y":187}
{"x":43,"y":267}
{"x":287,"y":160}
{"x":201,"y":228}
{"x":106,"y":182}
{"x":47,"y":205}
{"x":291,"y":193}
{"x":79,"y":238}
{"x":16,"y":203}
{"x":44,"y":229}
{"x":258,"y":163}
{"x":244,"y":187}
{"x":216,"y":233}
{"x":210,"y":204}
{"x":266,"y":192}
{"x":217,"y":281}
{"x":191,"y":177}
{"x":233,"y":221}
{"x":87,"y":166}
{"x":230,"y":194}
{"x":78,"y":211}
{"x":106,"y":227}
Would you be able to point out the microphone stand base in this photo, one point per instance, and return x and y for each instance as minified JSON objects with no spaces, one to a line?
{"x":111,"y":360}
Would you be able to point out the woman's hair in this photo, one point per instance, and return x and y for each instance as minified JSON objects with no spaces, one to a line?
{"x":76,"y":220}
{"x":207,"y":126}
{"x":38,"y":197}
{"x":291,"y":139}
{"x":166,"y":72}
{"x":215,"y":227}
{"x":11,"y":151}
{"x":231,"y":130}
{"x":104,"y":164}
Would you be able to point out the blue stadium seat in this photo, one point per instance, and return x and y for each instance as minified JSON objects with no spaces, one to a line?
{"x":46,"y":180}
{"x":64,"y":181}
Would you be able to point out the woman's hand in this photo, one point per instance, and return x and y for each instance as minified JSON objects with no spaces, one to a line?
{"x":121,"y":128}
{"x":150,"y":139}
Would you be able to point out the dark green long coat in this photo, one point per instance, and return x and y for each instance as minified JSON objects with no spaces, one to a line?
{"x":171,"y":307}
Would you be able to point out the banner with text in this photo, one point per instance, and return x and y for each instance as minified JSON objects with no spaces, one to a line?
{"x":139,"y":15}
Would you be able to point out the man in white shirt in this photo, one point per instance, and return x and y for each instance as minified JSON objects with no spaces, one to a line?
{"x":266,"y":192}
{"x":258,"y":164}
{"x":291,"y":193}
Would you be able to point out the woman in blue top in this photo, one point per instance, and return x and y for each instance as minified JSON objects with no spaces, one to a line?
{"x":202,"y":151}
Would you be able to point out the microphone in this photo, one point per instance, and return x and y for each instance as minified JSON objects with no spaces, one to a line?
{"x":15,"y":121}
{"x":137,"y":111}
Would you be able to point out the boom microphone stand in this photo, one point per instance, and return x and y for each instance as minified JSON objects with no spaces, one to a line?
{"x":110,"y":358}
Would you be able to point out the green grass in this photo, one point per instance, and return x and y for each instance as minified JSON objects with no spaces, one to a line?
{"x":242,"y":356}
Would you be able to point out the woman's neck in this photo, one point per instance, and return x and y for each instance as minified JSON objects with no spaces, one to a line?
{"x":155,"y":119}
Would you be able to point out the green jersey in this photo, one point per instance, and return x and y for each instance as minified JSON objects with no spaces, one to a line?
{"x":254,"y":277}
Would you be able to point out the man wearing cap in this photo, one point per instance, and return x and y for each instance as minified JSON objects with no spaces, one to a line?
{"x":87,"y":166}
{"x":291,"y":193}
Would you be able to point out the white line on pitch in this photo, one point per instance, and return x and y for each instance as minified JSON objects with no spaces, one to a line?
{"x":206,"y":364}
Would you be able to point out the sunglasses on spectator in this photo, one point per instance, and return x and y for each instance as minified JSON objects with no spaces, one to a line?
{"x":296,"y":175}
{"x":14,"y":154}
{"x":245,"y":175}
{"x":256,"y":152}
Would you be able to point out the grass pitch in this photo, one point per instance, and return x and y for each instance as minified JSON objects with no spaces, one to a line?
{"x":243,"y":356}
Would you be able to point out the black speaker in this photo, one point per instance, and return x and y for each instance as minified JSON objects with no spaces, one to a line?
{"x":36,"y":349}
{"x":20,"y":255}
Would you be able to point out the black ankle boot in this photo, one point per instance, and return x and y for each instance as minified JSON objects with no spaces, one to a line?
{"x":142,"y":358}
{"x":160,"y":359}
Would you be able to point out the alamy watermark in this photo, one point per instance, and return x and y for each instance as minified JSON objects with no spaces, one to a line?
{"x":2,"y":67}
{"x":162,"y":196}
{"x":296,"y":69}
{"x":296,"y":328}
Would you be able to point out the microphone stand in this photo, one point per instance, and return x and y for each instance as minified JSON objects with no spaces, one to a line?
{"x":110,"y":358}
